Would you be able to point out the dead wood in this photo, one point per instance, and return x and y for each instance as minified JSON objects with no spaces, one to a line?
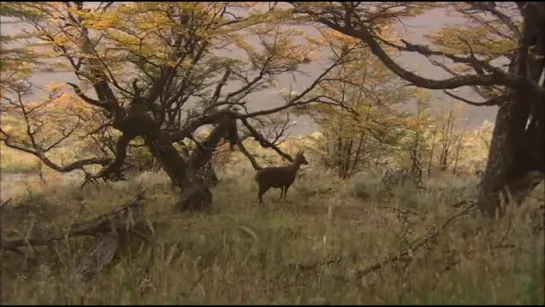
{"x":123,"y":218}
{"x":414,"y":246}
{"x":97,"y":257}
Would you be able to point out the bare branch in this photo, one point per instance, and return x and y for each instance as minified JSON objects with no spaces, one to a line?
{"x":497,"y":77}
{"x":197,"y":122}
{"x":263,"y":141}
{"x":490,"y":7}
{"x":495,"y":101}
{"x":86,"y":98}
{"x":65,"y":135}
{"x":63,"y":169}
{"x":220,"y":85}
{"x":248,"y":155}
{"x":114,"y":168}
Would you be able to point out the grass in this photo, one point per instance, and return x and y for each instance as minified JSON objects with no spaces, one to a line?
{"x":241,"y":253}
{"x":14,"y":161}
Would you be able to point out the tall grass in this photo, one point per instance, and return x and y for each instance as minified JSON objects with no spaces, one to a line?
{"x":307,"y":249}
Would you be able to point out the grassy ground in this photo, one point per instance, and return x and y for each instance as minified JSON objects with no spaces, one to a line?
{"x":18,"y":162}
{"x":307,"y":249}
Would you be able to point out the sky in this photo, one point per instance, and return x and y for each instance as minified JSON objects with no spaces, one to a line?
{"x":415,"y":31}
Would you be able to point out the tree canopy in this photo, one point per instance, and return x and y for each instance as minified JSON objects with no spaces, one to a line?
{"x":158,"y":72}
{"x":471,"y":53}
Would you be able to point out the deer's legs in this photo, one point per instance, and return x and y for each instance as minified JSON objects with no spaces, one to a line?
{"x":286,"y":187}
{"x":260,"y":194}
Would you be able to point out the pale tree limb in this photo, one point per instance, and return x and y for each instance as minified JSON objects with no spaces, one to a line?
{"x":495,"y":101}
{"x":119,"y":218}
{"x":263,"y":141}
{"x":497,"y":77}
{"x":40,"y":150}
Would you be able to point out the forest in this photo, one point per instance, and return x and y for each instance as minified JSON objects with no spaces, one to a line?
{"x":143,"y":146}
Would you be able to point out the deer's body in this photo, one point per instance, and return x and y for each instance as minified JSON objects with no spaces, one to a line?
{"x":278,"y":177}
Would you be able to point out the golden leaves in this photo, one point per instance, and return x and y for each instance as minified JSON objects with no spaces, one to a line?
{"x":48,"y":118}
{"x":484,"y":34}
{"x":337,"y":38}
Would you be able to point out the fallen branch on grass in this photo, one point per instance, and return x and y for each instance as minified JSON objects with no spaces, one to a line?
{"x":464,"y":202}
{"x":306,"y":193}
{"x":414,"y":246}
{"x":97,"y":257}
{"x":312,"y":264}
{"x":124,"y":218}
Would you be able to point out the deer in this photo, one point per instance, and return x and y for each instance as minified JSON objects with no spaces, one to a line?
{"x":278,"y":176}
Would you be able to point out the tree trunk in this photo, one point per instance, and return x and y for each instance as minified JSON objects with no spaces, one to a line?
{"x":430,"y":161}
{"x":512,"y":161}
{"x":196,"y":194}
{"x":516,"y":159}
{"x":458,"y":147}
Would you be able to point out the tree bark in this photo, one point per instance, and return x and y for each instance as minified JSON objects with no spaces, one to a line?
{"x":516,"y":161}
{"x":195,"y":194}
{"x":511,"y":159}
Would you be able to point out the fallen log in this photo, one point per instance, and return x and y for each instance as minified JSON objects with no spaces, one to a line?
{"x":123,"y":218}
{"x":97,"y":257}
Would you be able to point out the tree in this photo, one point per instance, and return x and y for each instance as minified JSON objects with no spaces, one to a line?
{"x":447,"y":126}
{"x":15,"y":63}
{"x":155,"y":74}
{"x":353,"y":135}
{"x":416,"y":141}
{"x":507,"y":30}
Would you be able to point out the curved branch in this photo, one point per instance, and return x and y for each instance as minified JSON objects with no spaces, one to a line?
{"x":38,"y":150}
{"x":263,"y":141}
{"x":495,"y":101}
{"x":86,"y":98}
{"x":193,"y":124}
{"x":114,"y":168}
{"x":237,"y":140}
{"x":63,"y":169}
{"x":490,"y":7}
{"x":497,"y":77}
{"x":200,"y":157}
{"x":220,"y":85}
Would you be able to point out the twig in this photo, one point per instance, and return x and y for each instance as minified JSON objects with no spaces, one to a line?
{"x":414,"y":245}
{"x":311,"y":265}
{"x":463,"y":202}
{"x":509,"y":228}
{"x":201,"y":275}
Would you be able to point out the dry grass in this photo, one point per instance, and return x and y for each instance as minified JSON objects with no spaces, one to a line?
{"x":14,"y":161}
{"x":241,"y":253}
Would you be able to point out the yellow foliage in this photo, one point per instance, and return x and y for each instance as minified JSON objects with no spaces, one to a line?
{"x":485,"y":35}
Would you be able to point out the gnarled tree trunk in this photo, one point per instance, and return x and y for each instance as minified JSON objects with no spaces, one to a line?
{"x":195,"y":193}
{"x":516,"y":160}
{"x":184,"y":173}
{"x":510,"y":159}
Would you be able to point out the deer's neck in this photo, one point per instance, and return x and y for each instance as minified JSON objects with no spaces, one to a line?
{"x":295,"y":166}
